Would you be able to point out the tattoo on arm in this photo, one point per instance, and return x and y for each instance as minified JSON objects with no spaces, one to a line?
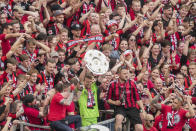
{"x":67,"y":101}
{"x":63,"y":101}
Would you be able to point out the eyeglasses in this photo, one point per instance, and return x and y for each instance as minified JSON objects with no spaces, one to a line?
{"x":132,"y":39}
{"x":10,"y":28}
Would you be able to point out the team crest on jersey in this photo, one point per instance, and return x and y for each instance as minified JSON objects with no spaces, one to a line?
{"x":173,"y":119}
{"x":160,"y":125}
{"x":176,"y":119}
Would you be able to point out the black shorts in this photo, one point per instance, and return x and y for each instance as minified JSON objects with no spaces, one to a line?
{"x":132,"y":113}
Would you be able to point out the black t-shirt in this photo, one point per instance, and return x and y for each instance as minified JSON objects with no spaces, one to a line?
{"x":165,"y":23}
{"x":154,"y":62}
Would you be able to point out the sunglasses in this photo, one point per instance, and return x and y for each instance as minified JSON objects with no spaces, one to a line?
{"x":132,"y":39}
{"x":151,"y":121}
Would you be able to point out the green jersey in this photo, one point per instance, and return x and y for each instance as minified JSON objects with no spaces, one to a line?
{"x":88,"y":112}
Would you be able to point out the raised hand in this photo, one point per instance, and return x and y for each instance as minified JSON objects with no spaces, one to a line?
{"x":162,"y":60}
{"x":44,"y":3}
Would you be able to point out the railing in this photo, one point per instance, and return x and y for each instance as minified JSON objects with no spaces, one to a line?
{"x":22,"y":124}
{"x":108,"y":123}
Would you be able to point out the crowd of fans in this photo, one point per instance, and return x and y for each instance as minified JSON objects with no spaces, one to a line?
{"x":150,"y":46}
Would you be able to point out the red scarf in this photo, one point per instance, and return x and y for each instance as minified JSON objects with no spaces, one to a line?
{"x":90,"y":100}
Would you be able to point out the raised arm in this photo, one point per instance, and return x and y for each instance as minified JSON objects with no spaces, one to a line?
{"x":138,"y":29}
{"x":33,"y":26}
{"x":155,"y":13}
{"x":6,"y":126}
{"x":76,"y":7}
{"x":19,"y":88}
{"x":67,"y":101}
{"x":157,"y":2}
{"x":141,"y":74}
{"x":148,"y":32}
{"x":121,"y":24}
{"x":174,"y":2}
{"x":47,"y":19}
{"x":12,"y":35}
{"x":84,"y":17}
{"x":147,"y":51}
{"x":7,"y":103}
{"x":187,"y":30}
{"x":186,"y":47}
{"x":139,"y":64}
{"x":31,"y":13}
{"x":19,"y":41}
{"x":191,"y":112}
{"x":111,"y":37}
{"x":45,"y":48}
{"x":129,"y":25}
{"x":155,"y":102}
{"x":115,"y":68}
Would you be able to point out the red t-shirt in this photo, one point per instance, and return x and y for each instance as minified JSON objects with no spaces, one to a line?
{"x":176,"y":119}
{"x":32,"y":115}
{"x":158,"y":122}
{"x":151,"y":129}
{"x":70,"y":108}
{"x":5,"y":44}
{"x":57,"y":110}
{"x":192,"y":124}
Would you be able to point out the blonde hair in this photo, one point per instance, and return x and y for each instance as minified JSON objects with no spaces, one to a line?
{"x":107,"y":47}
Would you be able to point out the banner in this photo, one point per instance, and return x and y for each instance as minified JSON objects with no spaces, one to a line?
{"x":98,"y":38}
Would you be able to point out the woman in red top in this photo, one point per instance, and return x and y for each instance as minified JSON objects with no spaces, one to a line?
{"x":148,"y":124}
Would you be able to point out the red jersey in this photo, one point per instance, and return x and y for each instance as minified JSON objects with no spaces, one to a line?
{"x":173,"y":120}
{"x":57,"y":111}
{"x":5,"y":44}
{"x":32,"y":115}
{"x":86,"y":28}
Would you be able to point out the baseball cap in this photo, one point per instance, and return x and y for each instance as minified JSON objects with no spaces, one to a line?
{"x":54,"y":54}
{"x":127,"y":53}
{"x":76,"y":27}
{"x":56,"y":7}
{"x":111,"y":23}
{"x":58,"y":12}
